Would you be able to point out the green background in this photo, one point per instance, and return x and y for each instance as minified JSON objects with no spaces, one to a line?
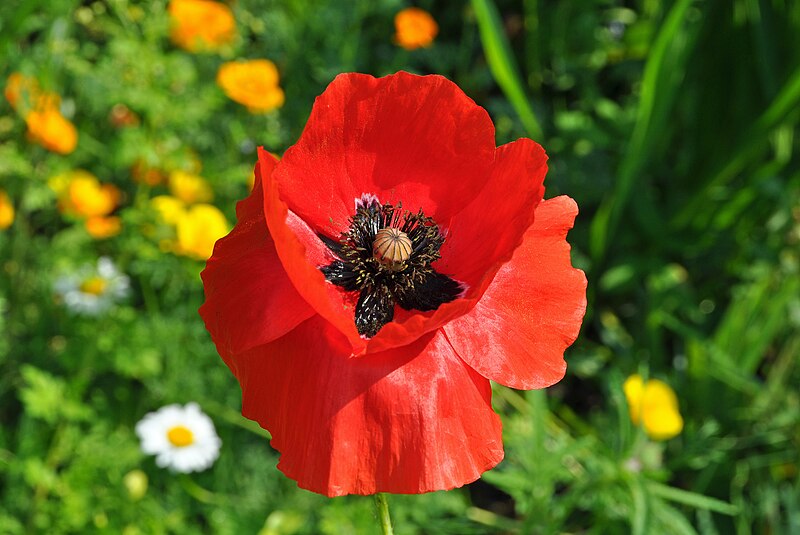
{"x":673,"y":124}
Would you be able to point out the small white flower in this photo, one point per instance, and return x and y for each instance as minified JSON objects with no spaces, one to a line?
{"x":182,"y":438}
{"x":93,"y":289}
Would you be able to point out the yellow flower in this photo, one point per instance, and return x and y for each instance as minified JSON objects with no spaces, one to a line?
{"x":169,"y":209}
{"x":253,"y":83}
{"x":201,"y":25}
{"x":414,"y":28}
{"x":6,"y":211}
{"x":100,"y":227}
{"x":50,"y":129}
{"x":189,"y":188}
{"x":82,"y":195}
{"x":198,"y":229}
{"x":653,"y":405}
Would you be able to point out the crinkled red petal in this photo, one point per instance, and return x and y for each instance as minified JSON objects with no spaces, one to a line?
{"x":302,"y":254}
{"x":413,"y":139}
{"x":408,"y":420}
{"x":249,"y":299}
{"x":483,"y":236}
{"x":532,"y":311}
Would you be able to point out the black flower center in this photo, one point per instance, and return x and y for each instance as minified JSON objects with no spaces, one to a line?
{"x":386,"y":255}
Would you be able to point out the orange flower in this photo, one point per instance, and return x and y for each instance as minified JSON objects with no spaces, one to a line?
{"x":145,"y":173}
{"x":253,"y":83}
{"x":46,"y":125}
{"x":6,"y":211}
{"x":24,"y":94}
{"x":21,"y":91}
{"x":201,"y":25}
{"x":82,"y":195}
{"x":100,"y":227}
{"x":414,"y":28}
{"x":122,"y":116}
{"x":50,"y":129}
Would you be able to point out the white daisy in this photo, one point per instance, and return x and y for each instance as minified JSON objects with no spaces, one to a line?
{"x":93,"y":289}
{"x":182,"y":438}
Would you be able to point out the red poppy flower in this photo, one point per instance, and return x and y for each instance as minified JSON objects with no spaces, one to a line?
{"x":380,"y":274}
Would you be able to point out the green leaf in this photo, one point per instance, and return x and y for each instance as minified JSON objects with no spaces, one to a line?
{"x":46,"y":397}
{"x":692,"y":499}
{"x":502,"y":64}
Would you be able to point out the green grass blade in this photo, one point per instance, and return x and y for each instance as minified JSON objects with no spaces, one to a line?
{"x":658,"y":79}
{"x":691,"y":499}
{"x":501,"y":63}
{"x":787,"y":100}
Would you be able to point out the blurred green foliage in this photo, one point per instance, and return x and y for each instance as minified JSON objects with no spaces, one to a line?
{"x":673,"y":124}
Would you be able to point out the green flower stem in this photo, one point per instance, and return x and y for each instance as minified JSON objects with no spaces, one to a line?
{"x":196,"y":491}
{"x":382,"y":505}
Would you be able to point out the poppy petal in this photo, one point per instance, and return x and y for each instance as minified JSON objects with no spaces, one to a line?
{"x":483,"y":236}
{"x":532,"y":310}
{"x":413,"y":139}
{"x":249,"y":299}
{"x":303,"y":256}
{"x":408,"y":420}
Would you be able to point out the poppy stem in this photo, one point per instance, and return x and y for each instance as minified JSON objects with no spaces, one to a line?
{"x":382,"y":505}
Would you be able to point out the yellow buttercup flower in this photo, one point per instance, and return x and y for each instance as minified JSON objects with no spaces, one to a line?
{"x":414,"y":28}
{"x":51,"y":130}
{"x":201,"y":25}
{"x":170,"y":209}
{"x":189,"y":188}
{"x":252,"y":83}
{"x":198,"y":230}
{"x":654,"y":405}
{"x":6,"y":211}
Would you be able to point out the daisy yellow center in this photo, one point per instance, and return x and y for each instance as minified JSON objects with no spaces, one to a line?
{"x":180,"y":436}
{"x":94,"y":286}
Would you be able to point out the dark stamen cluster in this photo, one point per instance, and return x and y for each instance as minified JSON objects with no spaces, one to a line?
{"x":412,"y":283}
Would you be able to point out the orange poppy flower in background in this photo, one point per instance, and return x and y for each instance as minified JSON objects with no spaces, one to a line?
{"x":145,"y":173}
{"x":100,"y":227}
{"x":80,"y":194}
{"x":122,"y":116}
{"x":51,"y":130}
{"x":46,"y":125}
{"x":414,"y":28}
{"x":252,"y":83}
{"x":21,"y":91}
{"x":201,"y":25}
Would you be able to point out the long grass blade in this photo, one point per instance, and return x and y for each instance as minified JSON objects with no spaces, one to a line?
{"x":657,"y":95}
{"x":503,"y":67}
{"x":691,"y":499}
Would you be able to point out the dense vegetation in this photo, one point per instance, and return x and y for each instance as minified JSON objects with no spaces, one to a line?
{"x":674,"y":126}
